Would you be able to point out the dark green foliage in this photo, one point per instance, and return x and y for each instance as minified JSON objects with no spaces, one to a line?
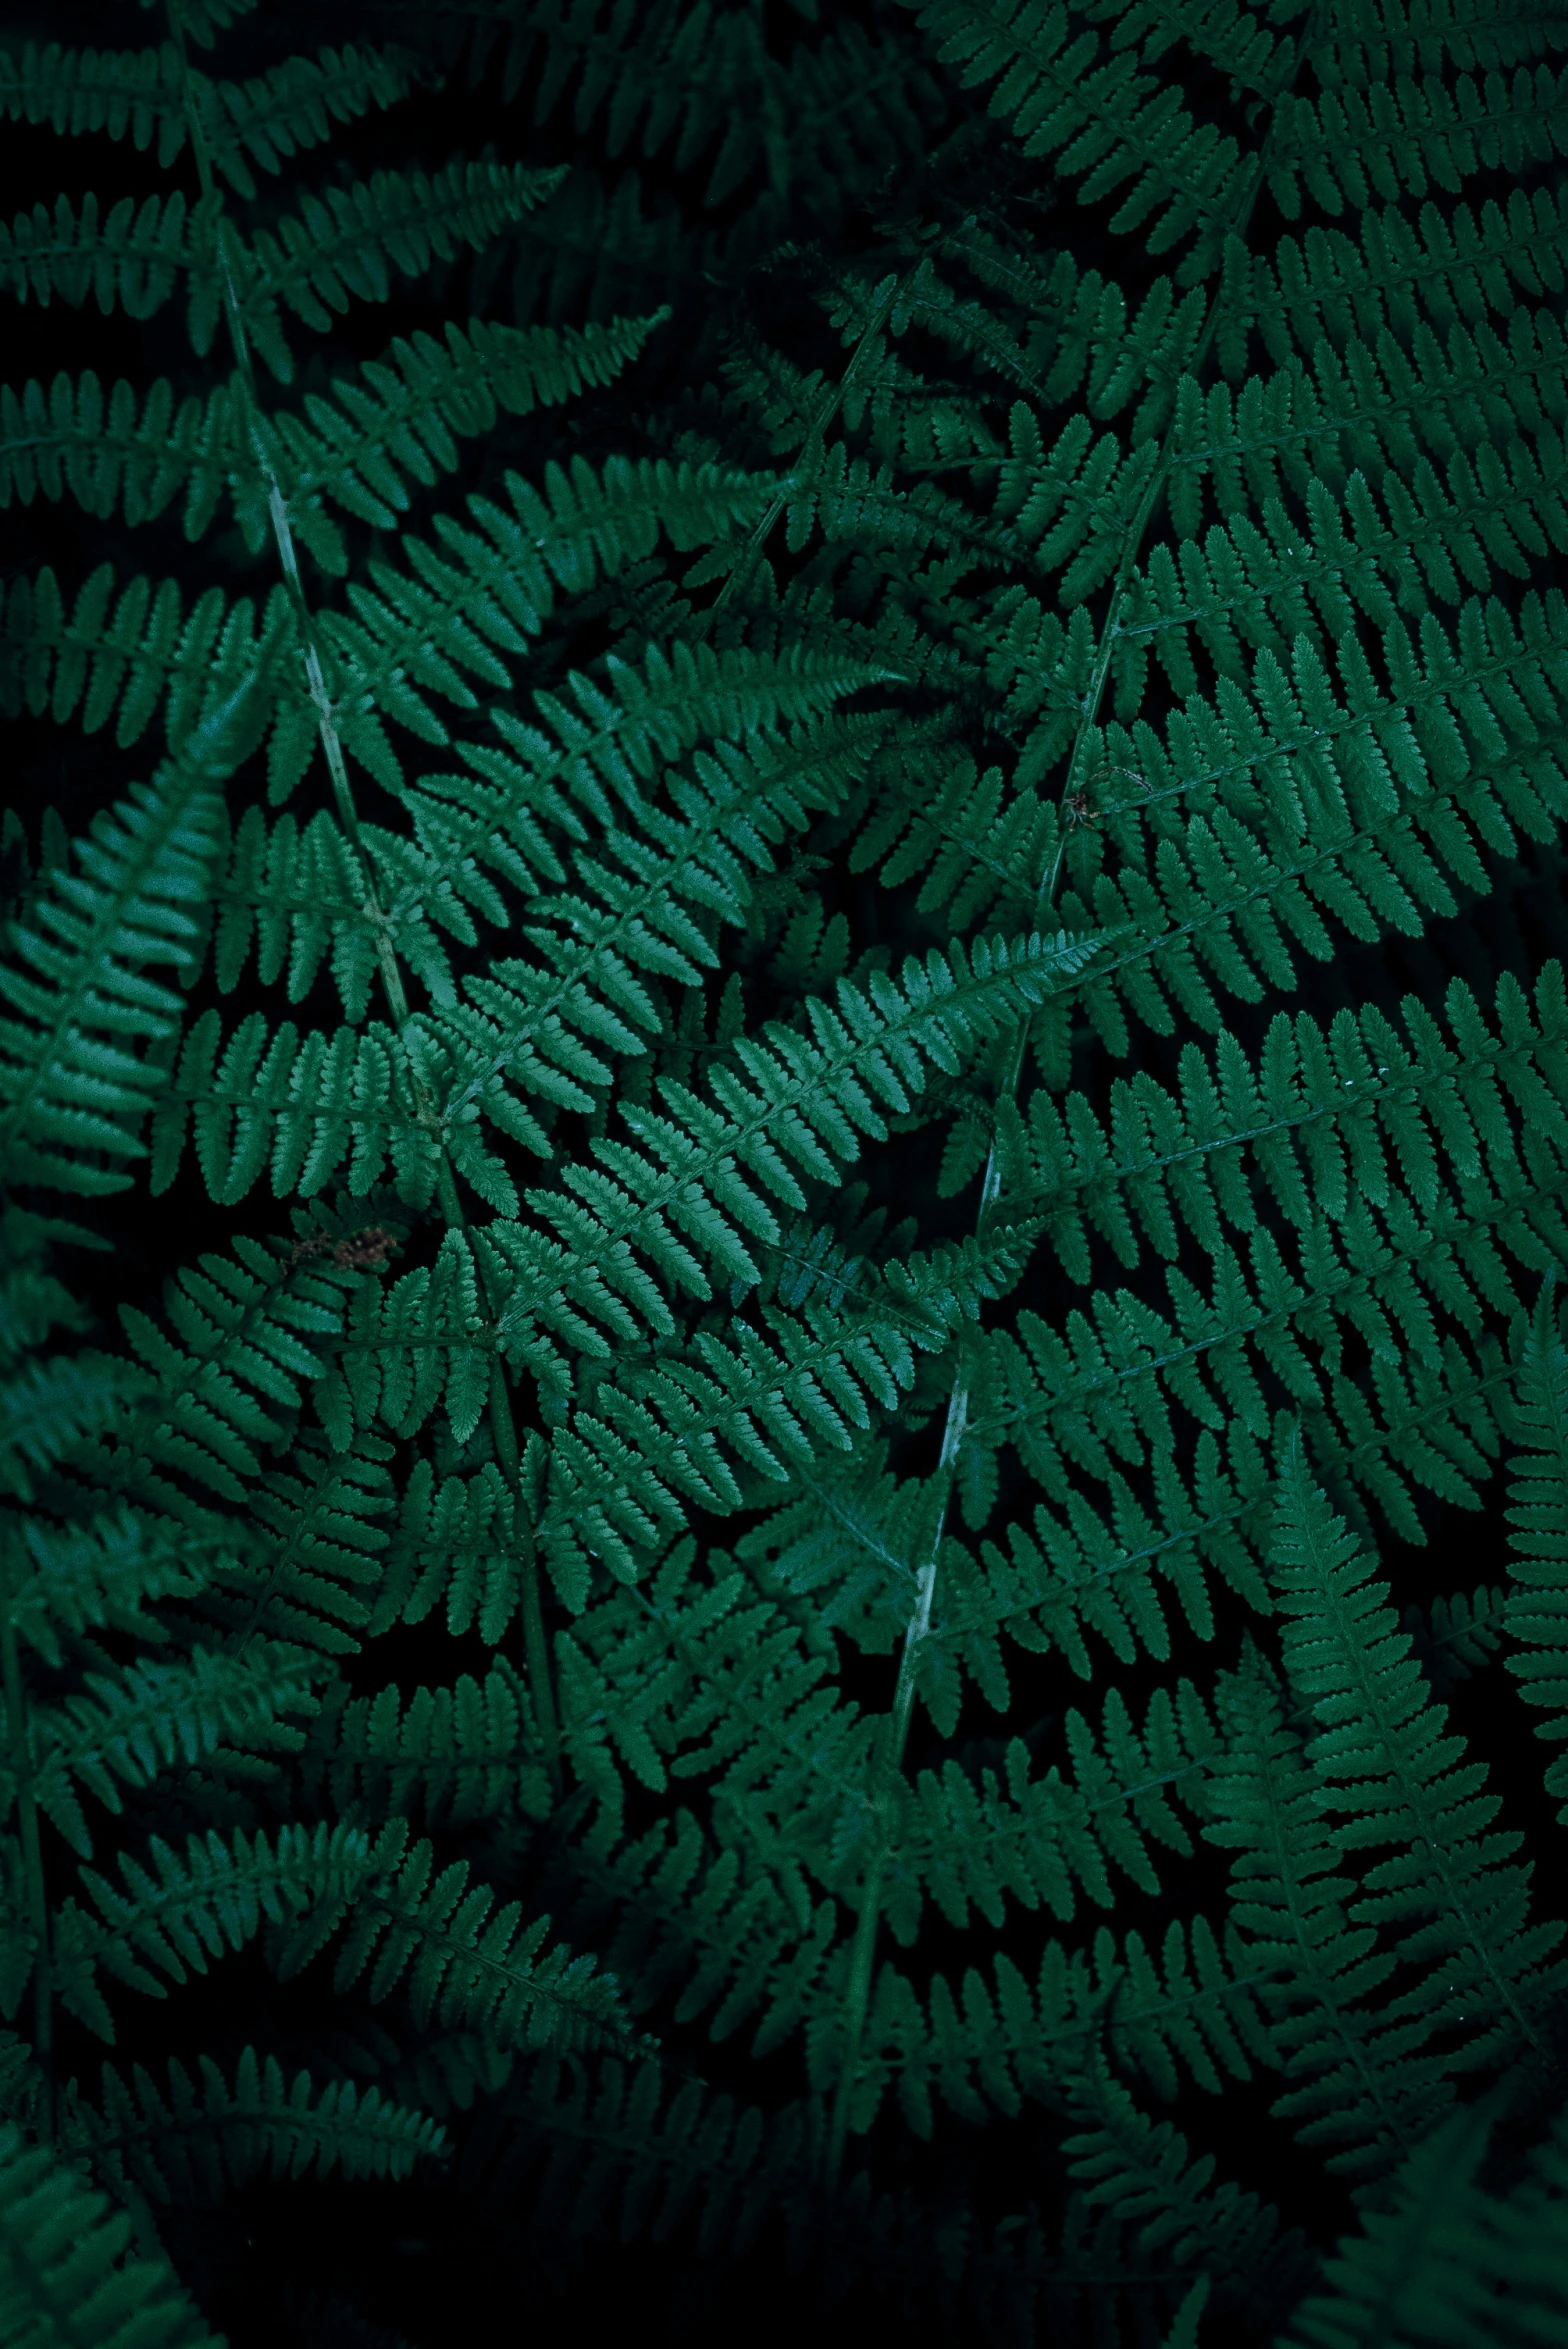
{"x":783,"y":1132}
{"x":64,"y":2277}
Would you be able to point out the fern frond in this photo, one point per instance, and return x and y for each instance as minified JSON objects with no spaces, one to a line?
{"x":306,"y":1107}
{"x":1082,"y":335}
{"x":1224,"y":32}
{"x":1437,"y":2265}
{"x":299,"y":1106}
{"x":1369,"y":830}
{"x":401,"y":418}
{"x":592,"y":251}
{"x":1390,"y":1775}
{"x":981,"y":843}
{"x":133,"y":91}
{"x":1455,"y":1636}
{"x":347,"y":243}
{"x":463,"y":1965}
{"x":630,"y":905}
{"x":798,"y":1100}
{"x":1444,"y":265}
{"x":463,"y":1753}
{"x":200,"y":2139}
{"x":1141,"y":2169}
{"x":1095,"y":1398}
{"x":1322,"y":1120}
{"x":139,"y":92}
{"x":97,"y":1577}
{"x":491,"y":589}
{"x":134,"y":255}
{"x":1464,"y":37}
{"x":150,"y":653}
{"x":306,"y":1578}
{"x":64,"y":2276}
{"x":293,"y":895}
{"x":1368,"y":2087}
{"x":689,"y":1674}
{"x":204,"y":20}
{"x":1351,"y":145}
{"x":1536,"y":1613}
{"x":988,"y":2051}
{"x":718,"y":1929}
{"x":968,"y":1845}
{"x":457,"y":1543}
{"x":85,"y":1028}
{"x":1364,"y":834}
{"x":166,"y":1919}
{"x":659,"y":2158}
{"x":690,"y":84}
{"x":124,"y":1728}
{"x":267,"y":121}
{"x":71,"y":442}
{"x":1439,"y":538}
{"x":50,"y":1409}
{"x":1096,"y":116}
{"x":225,"y":1377}
{"x":629,"y":862}
{"x":1374,"y":405}
{"x":620,"y":2146}
{"x":741,"y":1404}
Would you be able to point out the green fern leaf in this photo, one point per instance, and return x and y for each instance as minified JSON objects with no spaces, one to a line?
{"x":74,"y":1087}
{"x":124,"y":1728}
{"x":1538,"y":1517}
{"x":1101,"y":118}
{"x":307,"y":1577}
{"x":65,"y":2281}
{"x":201,"y":2139}
{"x":247,"y":1329}
{"x":345,"y":244}
{"x":464,"y":1753}
{"x":1391,"y":1776}
{"x":134,"y":255}
{"x":1364,"y":2085}
{"x":149,"y":652}
{"x":138,"y":92}
{"x":403,"y":415}
{"x":463,"y":1964}
{"x":167,"y":1919}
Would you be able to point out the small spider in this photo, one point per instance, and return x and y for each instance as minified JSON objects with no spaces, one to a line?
{"x":1079,"y":810}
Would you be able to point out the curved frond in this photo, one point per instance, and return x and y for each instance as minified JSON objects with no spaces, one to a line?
{"x":463,"y":1964}
{"x":125,"y":1727}
{"x":200,"y":2138}
{"x":348,"y":243}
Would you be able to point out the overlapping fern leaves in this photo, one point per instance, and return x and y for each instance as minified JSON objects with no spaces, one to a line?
{"x":705,"y":841}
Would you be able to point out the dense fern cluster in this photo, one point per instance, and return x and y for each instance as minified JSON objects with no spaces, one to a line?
{"x":783,"y":1150}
